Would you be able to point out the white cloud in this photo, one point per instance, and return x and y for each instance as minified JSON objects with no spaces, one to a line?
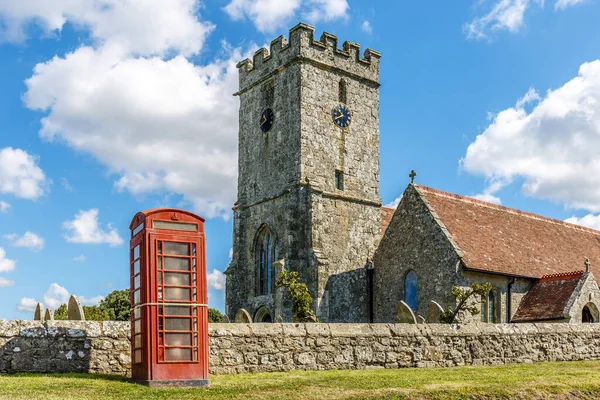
{"x":231,"y":253}
{"x":562,"y":4}
{"x":55,"y":296}
{"x":20,"y":174}
{"x":505,"y":15}
{"x":216,"y":280}
{"x":488,"y":198}
{"x":140,"y":27}
{"x":27,"y":304}
{"x":29,"y":240}
{"x":6,"y":283}
{"x":590,"y":221}
{"x":92,"y":301}
{"x":366,"y":27}
{"x":394,"y":203}
{"x":6,"y":264}
{"x":270,"y":15}
{"x":554,"y":148}
{"x":80,"y":258}
{"x":4,"y":206}
{"x":154,"y":122}
{"x":85,"y":228}
{"x":66,"y":185}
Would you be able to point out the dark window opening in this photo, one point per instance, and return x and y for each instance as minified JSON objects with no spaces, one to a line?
{"x":266,"y":254}
{"x":342,"y":92}
{"x":339,"y":180}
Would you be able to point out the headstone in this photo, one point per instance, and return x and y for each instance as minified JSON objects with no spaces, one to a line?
{"x":420,"y":319}
{"x":278,"y":319}
{"x":434,"y":311}
{"x":225,"y":319}
{"x":38,"y":315}
{"x":243,"y":317}
{"x":49,"y":315}
{"x":404,"y":315}
{"x":74,"y":310}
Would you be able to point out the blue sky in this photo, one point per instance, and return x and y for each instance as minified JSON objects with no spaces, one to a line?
{"x":114,"y":106}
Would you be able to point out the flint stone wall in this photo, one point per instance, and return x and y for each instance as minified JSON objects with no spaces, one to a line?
{"x":65,"y":346}
{"x":236,"y":348}
{"x":103,"y":347}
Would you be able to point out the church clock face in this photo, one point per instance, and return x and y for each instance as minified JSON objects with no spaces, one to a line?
{"x":266,"y":120}
{"x":341,"y":116}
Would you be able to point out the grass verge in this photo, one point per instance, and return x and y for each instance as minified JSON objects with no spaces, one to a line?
{"x":562,"y":380}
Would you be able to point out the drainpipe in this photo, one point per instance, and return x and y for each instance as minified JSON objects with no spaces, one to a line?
{"x":509,"y":299}
{"x":370,"y":267}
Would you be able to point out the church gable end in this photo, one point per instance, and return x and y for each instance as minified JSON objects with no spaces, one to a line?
{"x":414,"y":241}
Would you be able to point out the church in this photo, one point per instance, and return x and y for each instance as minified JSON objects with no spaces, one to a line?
{"x":308,"y":201}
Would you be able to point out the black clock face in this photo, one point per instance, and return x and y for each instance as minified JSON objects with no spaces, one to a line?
{"x":341,"y":116}
{"x":266,"y":120}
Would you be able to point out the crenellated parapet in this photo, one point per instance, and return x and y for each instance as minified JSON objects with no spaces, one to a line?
{"x":302,"y":46}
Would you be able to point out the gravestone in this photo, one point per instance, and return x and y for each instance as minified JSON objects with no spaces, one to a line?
{"x":434,"y":311}
{"x":49,"y":315}
{"x":38,"y":315}
{"x":243,"y":317}
{"x":74,"y":310}
{"x":225,"y":319}
{"x":404,"y":315}
{"x":420,"y":319}
{"x":278,"y":319}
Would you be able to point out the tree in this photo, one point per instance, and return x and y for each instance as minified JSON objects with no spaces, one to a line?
{"x":116,"y":305}
{"x":95,"y":313}
{"x":462,"y":295}
{"x":301,"y":298}
{"x":61,"y":313}
{"x":214,"y":315}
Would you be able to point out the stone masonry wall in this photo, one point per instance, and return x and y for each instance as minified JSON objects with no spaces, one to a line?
{"x":65,"y":346}
{"x":236,"y":348}
{"x":103,"y":347}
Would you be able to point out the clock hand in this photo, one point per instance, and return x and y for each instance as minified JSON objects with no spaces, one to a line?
{"x":264,"y":120}
{"x":338,"y":117}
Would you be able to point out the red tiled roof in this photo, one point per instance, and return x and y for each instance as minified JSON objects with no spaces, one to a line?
{"x":386,"y":217}
{"x":503,"y":240}
{"x":547,"y":298}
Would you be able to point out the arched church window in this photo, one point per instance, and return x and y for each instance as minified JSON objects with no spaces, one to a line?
{"x":266,"y":255}
{"x":492,"y":307}
{"x":342,"y":92}
{"x":410,"y":290}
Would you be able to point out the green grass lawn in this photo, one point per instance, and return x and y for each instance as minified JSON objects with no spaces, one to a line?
{"x":566,"y":380}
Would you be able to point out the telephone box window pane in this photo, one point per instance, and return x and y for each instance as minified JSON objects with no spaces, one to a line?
{"x":137,"y":229}
{"x":178,"y":324}
{"x":175,"y":226}
{"x":178,"y":339}
{"x":137,"y":326}
{"x":177,"y":249}
{"x":177,"y":294}
{"x":136,"y":252}
{"x":172,"y":278}
{"x":138,"y":356}
{"x":137,"y":341}
{"x":136,"y":297}
{"x":136,"y":282}
{"x":137,"y":313}
{"x":176,"y":310}
{"x":136,"y":267}
{"x":179,"y":354}
{"x":179,"y":264}
{"x":160,"y":278}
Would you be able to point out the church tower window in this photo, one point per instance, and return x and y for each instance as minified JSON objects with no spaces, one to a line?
{"x":339,"y":180}
{"x":410,"y":290}
{"x":342,"y":92}
{"x":266,"y":254}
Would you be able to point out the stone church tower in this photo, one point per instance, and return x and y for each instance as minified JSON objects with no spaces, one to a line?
{"x":308,"y":186}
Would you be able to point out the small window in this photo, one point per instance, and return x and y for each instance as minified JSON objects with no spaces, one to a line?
{"x":488,"y":308}
{"x":339,"y":180}
{"x":342,"y":92}
{"x":410,"y":290}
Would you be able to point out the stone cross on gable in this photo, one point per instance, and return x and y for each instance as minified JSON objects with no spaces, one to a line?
{"x":587,"y":264}
{"x":412,"y":176}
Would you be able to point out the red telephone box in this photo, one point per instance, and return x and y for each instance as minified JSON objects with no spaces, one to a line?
{"x":169,"y":311}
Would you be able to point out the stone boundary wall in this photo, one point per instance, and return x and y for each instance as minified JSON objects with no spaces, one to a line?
{"x":103,"y":347}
